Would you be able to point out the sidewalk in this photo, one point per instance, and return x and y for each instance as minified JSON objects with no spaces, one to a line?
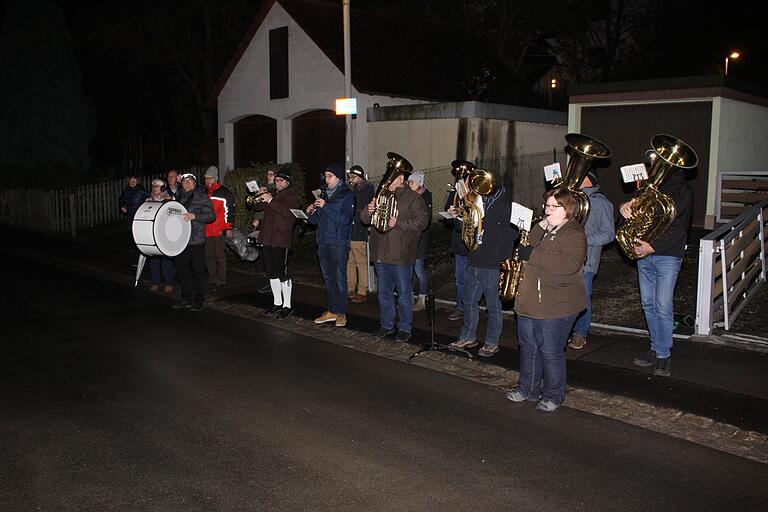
{"x":714,"y":383}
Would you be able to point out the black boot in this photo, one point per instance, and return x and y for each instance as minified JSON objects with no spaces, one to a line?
{"x":274,"y":311}
{"x":647,"y":360}
{"x":663,"y":367}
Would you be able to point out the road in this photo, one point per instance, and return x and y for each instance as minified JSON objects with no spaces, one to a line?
{"x":110,"y":400}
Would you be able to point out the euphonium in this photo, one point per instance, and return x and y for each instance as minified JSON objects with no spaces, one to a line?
{"x":480,"y":182}
{"x":652,"y":210}
{"x":585,"y":151}
{"x":460,"y":170}
{"x":385,"y":203}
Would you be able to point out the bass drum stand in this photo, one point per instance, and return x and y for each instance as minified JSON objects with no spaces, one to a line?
{"x":430,"y":308}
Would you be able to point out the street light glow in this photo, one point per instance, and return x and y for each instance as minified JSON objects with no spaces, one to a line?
{"x":735,"y":55}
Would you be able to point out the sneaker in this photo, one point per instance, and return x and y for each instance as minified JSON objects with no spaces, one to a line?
{"x":357,"y":299}
{"x":341,"y":320}
{"x":382,"y":333}
{"x":456,"y":314}
{"x":154,"y":287}
{"x":182,"y":305}
{"x":463,"y":344}
{"x":421,"y":304}
{"x":197,"y":308}
{"x":577,"y":342}
{"x":663,"y":367}
{"x":325,"y":317}
{"x":168,"y":289}
{"x":403,"y":336}
{"x":488,"y":350}
{"x":265,"y":289}
{"x":516,"y":396}
{"x":273,"y":311}
{"x":547,"y":406}
{"x":283,"y":313}
{"x":648,"y":359}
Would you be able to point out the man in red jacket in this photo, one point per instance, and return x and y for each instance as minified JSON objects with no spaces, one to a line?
{"x":215,"y":232}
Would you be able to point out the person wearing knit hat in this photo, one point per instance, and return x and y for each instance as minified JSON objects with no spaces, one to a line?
{"x":332,"y":213}
{"x":217,"y":232}
{"x":416,"y":183}
{"x":357,"y":265}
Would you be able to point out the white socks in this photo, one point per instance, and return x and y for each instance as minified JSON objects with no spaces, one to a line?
{"x":275,"y":285}
{"x":287,"y":286}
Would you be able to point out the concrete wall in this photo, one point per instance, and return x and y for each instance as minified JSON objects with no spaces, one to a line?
{"x":425,"y":143}
{"x":314,"y":83}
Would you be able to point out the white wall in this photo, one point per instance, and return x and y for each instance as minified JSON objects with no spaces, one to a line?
{"x":538,"y":138}
{"x":425,"y":143}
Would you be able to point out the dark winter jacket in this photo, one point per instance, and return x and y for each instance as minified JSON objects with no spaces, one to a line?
{"x":363,"y":196}
{"x":398,"y":245}
{"x":421,"y":249}
{"x":552,"y":284}
{"x":672,"y":242}
{"x":197,"y":202}
{"x":133,"y":197}
{"x":458,"y":247}
{"x":499,"y":235}
{"x":224,"y":207}
{"x":599,"y":228}
{"x":276,"y":229}
{"x":334,"y":220}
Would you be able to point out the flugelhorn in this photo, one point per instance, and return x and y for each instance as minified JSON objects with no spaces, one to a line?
{"x":385,"y":203}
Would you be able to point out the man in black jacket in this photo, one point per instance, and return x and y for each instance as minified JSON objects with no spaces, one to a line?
{"x":357,"y":265}
{"x":658,"y":267}
{"x":190,"y":264}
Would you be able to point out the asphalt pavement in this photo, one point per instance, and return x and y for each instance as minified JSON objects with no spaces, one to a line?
{"x":112,"y":401}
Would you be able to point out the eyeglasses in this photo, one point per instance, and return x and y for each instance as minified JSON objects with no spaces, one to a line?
{"x":552,"y":206}
{"x":279,"y":179}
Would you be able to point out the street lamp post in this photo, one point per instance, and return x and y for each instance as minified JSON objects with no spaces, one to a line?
{"x":734,"y":56}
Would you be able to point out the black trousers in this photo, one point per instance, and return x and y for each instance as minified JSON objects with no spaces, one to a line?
{"x":276,"y":262}
{"x":190,"y":268}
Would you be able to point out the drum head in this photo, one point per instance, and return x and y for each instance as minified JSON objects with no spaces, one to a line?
{"x":159,"y":229}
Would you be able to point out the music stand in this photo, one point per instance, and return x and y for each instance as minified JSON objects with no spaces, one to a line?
{"x":430,"y":308}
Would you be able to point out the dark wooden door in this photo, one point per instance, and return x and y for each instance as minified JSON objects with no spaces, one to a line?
{"x":255,"y":140}
{"x":318,"y":140}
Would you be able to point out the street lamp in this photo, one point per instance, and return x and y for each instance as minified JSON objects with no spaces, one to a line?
{"x":734,"y":56}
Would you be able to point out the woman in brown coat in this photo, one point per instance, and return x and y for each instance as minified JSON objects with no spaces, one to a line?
{"x":551,"y":296}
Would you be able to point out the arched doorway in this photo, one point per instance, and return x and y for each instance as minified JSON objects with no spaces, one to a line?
{"x":255,"y":140}
{"x":318,"y":140}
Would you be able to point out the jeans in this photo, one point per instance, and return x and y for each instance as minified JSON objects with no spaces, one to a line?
{"x":658,"y":276}
{"x":584,"y":319}
{"x":395,"y":277}
{"x":460,"y":266}
{"x":542,"y":357}
{"x":333,"y":266}
{"x":162,"y":270}
{"x":479,"y":282}
{"x":420,"y":269}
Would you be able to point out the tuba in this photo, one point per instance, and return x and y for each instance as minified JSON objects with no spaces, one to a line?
{"x":480,"y":182}
{"x":584,"y":152}
{"x":652,"y":210}
{"x":385,"y":203}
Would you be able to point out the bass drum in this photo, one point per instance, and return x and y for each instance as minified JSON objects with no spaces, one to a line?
{"x":160,"y":230}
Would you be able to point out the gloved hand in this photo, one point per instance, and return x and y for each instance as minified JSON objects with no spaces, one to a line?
{"x":524,"y":252}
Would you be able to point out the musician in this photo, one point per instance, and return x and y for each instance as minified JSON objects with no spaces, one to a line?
{"x":216,"y":232}
{"x":600,"y":230}
{"x":393,"y":254}
{"x":357,"y":266}
{"x":332,"y":213}
{"x":551,"y":294}
{"x":257,"y":221}
{"x":461,"y":260}
{"x":172,"y":189}
{"x":416,"y":183}
{"x":161,"y":267}
{"x":190,"y":264}
{"x":657,"y":269}
{"x":484,"y":273}
{"x":276,"y":236}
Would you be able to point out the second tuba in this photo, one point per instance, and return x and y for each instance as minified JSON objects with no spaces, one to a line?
{"x":585,"y":151}
{"x":480,"y":183}
{"x":385,"y":203}
{"x":652,"y":210}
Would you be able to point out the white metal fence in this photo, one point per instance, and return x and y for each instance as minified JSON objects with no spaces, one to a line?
{"x":732,"y":266}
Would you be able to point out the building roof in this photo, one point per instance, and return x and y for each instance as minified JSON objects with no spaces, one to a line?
{"x":395,"y":57}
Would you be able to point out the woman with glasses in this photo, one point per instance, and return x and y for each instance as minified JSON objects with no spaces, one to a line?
{"x":551,"y":295}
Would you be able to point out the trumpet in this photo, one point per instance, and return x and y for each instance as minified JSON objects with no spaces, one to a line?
{"x":254,"y":199}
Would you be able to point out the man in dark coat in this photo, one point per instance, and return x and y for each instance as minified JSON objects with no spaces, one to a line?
{"x":190,"y":264}
{"x":357,"y":266}
{"x":276,"y":237}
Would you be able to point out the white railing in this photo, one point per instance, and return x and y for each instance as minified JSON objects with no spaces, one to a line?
{"x":732,"y":267}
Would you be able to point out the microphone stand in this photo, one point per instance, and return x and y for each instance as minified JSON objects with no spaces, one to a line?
{"x":430,"y":307}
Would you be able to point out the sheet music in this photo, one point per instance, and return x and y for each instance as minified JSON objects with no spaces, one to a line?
{"x":521,"y":217}
{"x":634,"y":172}
{"x":299,"y":214}
{"x":445,"y":215}
{"x":252,"y":186}
{"x":552,"y":172}
{"x":316,"y":193}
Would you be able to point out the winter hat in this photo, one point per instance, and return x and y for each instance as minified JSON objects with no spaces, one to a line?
{"x":212,"y":172}
{"x":418,"y":177}
{"x":284,"y":174}
{"x":337,"y":169}
{"x":188,"y":176}
{"x":592,"y":175}
{"x":158,"y":183}
{"x":358,"y":171}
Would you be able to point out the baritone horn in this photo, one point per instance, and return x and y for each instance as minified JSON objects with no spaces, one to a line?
{"x":385,"y":202}
{"x":585,"y":151}
{"x":480,"y":183}
{"x":652,"y":210}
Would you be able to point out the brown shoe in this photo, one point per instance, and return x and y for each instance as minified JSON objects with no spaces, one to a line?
{"x":168,"y":289}
{"x":325,"y":317}
{"x":359,"y":298}
{"x":577,"y":342}
{"x":341,"y":320}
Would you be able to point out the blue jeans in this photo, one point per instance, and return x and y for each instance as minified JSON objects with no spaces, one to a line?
{"x":460,"y":266}
{"x":479,"y":282}
{"x":333,"y":266}
{"x":420,"y":269}
{"x":162,"y":270}
{"x":542,"y":357}
{"x":658,"y":276}
{"x":395,"y":277}
{"x":584,"y":319}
